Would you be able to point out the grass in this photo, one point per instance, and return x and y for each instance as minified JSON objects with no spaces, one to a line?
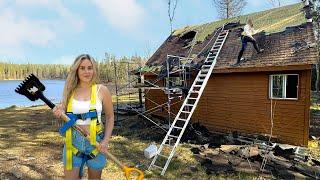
{"x":271,"y":21}
{"x":32,"y":132}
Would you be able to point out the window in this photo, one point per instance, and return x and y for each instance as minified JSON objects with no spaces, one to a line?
{"x":284,"y":86}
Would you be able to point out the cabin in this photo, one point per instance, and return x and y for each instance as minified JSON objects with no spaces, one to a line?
{"x":268,"y":93}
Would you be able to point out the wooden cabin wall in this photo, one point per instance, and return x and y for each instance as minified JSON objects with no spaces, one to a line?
{"x":240,"y":102}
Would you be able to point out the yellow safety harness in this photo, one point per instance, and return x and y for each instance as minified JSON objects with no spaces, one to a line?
{"x":95,"y":128}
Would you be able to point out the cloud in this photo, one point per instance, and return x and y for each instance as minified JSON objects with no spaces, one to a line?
{"x":16,"y":30}
{"x":21,"y":29}
{"x":66,"y":16}
{"x":124,"y":15}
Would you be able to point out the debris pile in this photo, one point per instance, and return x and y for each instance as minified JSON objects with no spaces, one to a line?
{"x":231,"y":153}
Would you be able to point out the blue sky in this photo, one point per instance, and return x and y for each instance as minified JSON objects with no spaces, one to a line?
{"x":56,"y":31}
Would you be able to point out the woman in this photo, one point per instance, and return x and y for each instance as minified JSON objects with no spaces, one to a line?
{"x":247,"y":36}
{"x":84,"y":99}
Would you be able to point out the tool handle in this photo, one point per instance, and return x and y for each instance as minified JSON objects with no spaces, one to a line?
{"x":76,"y":127}
{"x":45,"y":100}
{"x":87,"y":136}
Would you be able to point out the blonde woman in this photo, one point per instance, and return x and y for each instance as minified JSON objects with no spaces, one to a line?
{"x":247,"y":36}
{"x":83,"y":101}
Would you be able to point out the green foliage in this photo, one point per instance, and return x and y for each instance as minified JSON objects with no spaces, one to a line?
{"x":43,"y":71}
{"x":273,"y":20}
{"x":106,"y":69}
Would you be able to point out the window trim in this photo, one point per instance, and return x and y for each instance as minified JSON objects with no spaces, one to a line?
{"x":284,"y":87}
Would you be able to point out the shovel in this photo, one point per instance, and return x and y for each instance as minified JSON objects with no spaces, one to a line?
{"x":32,"y":88}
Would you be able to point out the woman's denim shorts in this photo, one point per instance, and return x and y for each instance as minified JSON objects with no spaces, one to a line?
{"x":84,"y":146}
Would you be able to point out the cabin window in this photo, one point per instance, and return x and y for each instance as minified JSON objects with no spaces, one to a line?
{"x":284,"y":86}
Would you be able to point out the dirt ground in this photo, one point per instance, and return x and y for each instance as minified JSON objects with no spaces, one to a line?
{"x":31,"y":149}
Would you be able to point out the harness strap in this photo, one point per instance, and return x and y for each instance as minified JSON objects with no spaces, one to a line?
{"x":85,"y":157}
{"x":94,"y":128}
{"x":68,"y":124}
{"x":68,"y":138}
{"x":93,"y":123}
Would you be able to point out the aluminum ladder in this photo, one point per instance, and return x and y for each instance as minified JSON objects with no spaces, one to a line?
{"x":173,"y":136}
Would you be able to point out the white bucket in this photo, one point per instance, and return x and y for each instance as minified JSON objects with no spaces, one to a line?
{"x":150,"y":151}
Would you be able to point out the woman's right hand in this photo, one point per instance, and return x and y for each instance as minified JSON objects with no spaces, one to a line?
{"x":58,"y":111}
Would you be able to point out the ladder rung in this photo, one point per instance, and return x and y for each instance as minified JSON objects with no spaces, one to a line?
{"x":206,"y":66}
{"x":181,"y":119}
{"x":200,"y":80}
{"x":186,"y":111}
{"x":157,"y":166}
{"x":196,"y":85}
{"x":177,"y":127}
{"x":163,"y":156}
{"x":189,"y":104}
{"x":191,"y":98}
{"x":173,"y":136}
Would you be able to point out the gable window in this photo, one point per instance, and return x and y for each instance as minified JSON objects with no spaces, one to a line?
{"x":283,"y":86}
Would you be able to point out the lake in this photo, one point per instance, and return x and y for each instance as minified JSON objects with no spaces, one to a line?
{"x":9,"y":97}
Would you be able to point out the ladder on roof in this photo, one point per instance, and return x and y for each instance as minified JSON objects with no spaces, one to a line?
{"x":173,"y":136}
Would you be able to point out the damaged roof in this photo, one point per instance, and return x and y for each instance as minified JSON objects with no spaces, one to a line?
{"x":287,"y":39}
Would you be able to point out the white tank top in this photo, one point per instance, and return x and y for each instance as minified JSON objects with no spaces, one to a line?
{"x":80,"y":107}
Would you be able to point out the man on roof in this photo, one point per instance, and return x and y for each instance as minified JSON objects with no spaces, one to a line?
{"x":247,"y":36}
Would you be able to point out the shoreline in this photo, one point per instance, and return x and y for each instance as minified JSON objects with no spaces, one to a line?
{"x":26,"y":76}
{"x":16,"y":106}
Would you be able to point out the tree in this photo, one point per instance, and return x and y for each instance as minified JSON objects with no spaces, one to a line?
{"x":229,"y":8}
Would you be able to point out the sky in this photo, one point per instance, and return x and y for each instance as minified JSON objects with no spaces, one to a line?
{"x":56,"y":31}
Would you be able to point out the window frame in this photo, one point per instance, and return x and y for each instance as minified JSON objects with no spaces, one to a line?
{"x":284,"y":86}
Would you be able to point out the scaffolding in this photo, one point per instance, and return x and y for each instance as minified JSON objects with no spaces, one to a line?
{"x":126,"y":91}
{"x":174,"y":73}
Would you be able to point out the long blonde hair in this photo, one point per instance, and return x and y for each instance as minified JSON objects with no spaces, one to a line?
{"x":73,"y":79}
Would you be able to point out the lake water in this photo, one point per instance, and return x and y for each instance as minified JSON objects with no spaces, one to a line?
{"x":9,"y":97}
